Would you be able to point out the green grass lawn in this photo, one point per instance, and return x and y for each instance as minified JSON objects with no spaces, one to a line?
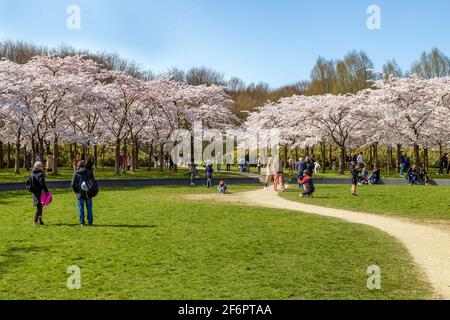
{"x":150,"y":243}
{"x":414,"y":202}
{"x":7,"y":175}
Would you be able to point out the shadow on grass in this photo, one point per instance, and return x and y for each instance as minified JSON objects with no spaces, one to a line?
{"x":14,"y":256}
{"x":96,"y":226}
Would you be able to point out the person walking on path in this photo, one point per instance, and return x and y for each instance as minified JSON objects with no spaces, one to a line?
{"x":269,"y":173}
{"x":278,"y":169}
{"x":83,"y":185}
{"x":36,"y":185}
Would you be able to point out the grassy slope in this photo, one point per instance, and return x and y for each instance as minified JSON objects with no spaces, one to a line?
{"x":415,"y":202}
{"x":150,"y":244}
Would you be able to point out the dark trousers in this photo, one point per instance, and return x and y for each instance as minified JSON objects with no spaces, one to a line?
{"x":228,"y":167}
{"x":309,"y":192}
{"x":39,"y":208}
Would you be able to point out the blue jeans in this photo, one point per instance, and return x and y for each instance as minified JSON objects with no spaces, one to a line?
{"x":81,"y":203}
{"x":209,"y":182}
{"x":402,"y":169}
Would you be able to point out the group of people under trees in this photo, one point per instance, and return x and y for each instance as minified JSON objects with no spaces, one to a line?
{"x":412,"y":173}
{"x":83,"y":185}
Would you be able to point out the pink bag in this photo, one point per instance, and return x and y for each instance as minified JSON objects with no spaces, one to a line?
{"x":46,"y":199}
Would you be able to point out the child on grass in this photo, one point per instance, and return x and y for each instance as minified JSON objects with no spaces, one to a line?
{"x":222,"y":188}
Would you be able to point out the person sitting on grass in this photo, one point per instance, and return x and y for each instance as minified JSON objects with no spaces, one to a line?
{"x":209,"y":174}
{"x":222,"y":188}
{"x":375,"y":177}
{"x":355,"y":171}
{"x":411,"y":175}
{"x":364,"y":175}
{"x":423,"y":177}
{"x":308,"y":184}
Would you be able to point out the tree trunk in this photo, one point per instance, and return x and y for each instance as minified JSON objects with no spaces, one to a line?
{"x":95,"y":156}
{"x":323,"y":149}
{"x":103,"y":156}
{"x":417,"y":155}
{"x":375,"y":154}
{"x":17,"y":155}
{"x":161,"y":158}
{"x":8,"y":156}
{"x":33,"y":149}
{"x":117,"y":156}
{"x":399,"y":155}
{"x":133,"y":155}
{"x":1,"y":155}
{"x":331,"y":156}
{"x":150,"y":154}
{"x":55,"y":155}
{"x":389,"y":160}
{"x":74,"y":164}
{"x":307,"y":152}
{"x":341,"y":160}
{"x":136,"y":157}
{"x":83,"y":153}
{"x":71,"y":155}
{"x":425,"y":158}
{"x":41,"y":149}
{"x":125,"y":152}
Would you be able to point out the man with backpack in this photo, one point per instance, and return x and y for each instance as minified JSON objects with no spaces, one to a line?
{"x":36,"y":185}
{"x":85,"y":188}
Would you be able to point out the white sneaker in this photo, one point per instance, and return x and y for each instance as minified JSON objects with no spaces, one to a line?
{"x":265,"y":188}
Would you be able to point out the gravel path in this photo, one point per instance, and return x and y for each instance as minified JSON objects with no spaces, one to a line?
{"x":428,"y":245}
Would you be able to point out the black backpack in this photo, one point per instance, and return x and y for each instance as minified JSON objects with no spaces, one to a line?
{"x":92,"y":184}
{"x":93,"y":187}
{"x":31,"y":184}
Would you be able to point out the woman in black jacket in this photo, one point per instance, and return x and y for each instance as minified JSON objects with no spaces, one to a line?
{"x":38,"y":186}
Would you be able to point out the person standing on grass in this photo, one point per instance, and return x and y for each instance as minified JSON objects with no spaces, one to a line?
{"x":291,"y":166}
{"x":443,"y":164}
{"x":219,"y":161}
{"x":360,"y":158}
{"x":229,"y":161}
{"x":308,"y":184}
{"x":355,"y":179}
{"x":209,"y":174}
{"x":83,"y":185}
{"x":36,"y":185}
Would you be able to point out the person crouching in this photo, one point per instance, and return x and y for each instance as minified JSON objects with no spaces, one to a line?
{"x":222,"y":188}
{"x":308,"y":184}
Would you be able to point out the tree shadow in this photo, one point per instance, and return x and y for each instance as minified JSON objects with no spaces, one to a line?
{"x":14,"y":256}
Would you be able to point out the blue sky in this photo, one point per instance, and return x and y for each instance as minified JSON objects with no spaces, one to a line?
{"x":275,"y":41}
